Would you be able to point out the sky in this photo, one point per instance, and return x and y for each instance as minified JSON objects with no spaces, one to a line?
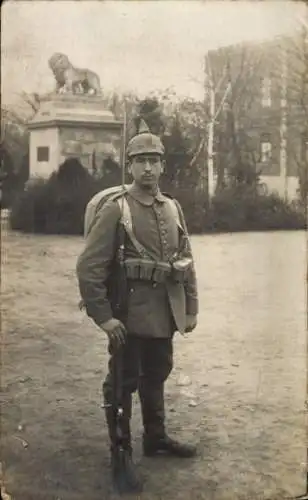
{"x":138,"y":46}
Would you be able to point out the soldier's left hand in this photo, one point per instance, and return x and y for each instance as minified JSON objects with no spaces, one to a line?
{"x":191,"y":322}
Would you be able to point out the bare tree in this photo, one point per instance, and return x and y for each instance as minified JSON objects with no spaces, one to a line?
{"x":297,"y":53}
{"x":14,"y":136}
{"x":236,"y":151}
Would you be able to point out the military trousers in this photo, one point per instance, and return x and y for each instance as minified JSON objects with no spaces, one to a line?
{"x":146,"y":365}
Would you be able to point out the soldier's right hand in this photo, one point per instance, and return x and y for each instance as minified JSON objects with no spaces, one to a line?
{"x":115,"y":331}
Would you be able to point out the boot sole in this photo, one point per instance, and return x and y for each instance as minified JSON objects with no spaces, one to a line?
{"x":166,"y":453}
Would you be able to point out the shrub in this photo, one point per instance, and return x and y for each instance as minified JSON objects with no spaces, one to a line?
{"x":8,"y":179}
{"x":245,"y":210}
{"x":56,"y":205}
{"x":194,"y":208}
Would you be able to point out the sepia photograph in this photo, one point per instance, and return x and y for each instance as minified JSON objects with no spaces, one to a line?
{"x":154,"y":189}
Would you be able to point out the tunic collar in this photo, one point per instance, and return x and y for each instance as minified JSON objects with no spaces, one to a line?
{"x":143,"y":197}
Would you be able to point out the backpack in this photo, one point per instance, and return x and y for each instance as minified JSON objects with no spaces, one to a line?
{"x":98,"y":200}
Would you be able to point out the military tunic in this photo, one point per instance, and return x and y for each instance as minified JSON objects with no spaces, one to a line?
{"x":155,"y":310}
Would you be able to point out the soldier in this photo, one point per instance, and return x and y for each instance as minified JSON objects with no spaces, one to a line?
{"x":161,"y":294}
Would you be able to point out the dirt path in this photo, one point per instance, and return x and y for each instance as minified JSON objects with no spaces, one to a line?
{"x":238,"y":387}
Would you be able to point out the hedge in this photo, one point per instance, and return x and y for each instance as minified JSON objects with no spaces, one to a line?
{"x":57,"y":206}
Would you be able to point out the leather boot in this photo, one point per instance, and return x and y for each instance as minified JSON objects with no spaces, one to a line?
{"x":157,"y":445}
{"x":155,"y":439}
{"x":152,"y":408}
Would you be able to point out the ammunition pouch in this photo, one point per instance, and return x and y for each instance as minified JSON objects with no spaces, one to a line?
{"x":157,"y":272}
{"x":148,"y":270}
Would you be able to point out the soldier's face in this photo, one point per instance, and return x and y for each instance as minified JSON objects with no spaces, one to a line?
{"x":146,"y":169}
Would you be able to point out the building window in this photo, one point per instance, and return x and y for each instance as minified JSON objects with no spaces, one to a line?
{"x":266,"y":149}
{"x":266,"y":88}
{"x":42,"y":153}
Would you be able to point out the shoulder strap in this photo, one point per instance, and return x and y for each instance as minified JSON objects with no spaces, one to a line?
{"x":127,"y":222}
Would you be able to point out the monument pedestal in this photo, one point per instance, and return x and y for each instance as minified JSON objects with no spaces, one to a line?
{"x":70,"y":125}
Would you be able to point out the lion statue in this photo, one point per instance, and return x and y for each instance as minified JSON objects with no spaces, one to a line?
{"x":71,"y":79}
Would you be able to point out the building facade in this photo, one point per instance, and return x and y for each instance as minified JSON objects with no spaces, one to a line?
{"x":268,"y":94}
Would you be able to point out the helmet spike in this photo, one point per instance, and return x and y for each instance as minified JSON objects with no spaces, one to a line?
{"x":143,"y":128}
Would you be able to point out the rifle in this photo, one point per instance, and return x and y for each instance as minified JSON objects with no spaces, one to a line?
{"x":123,"y":479}
{"x":119,"y":312}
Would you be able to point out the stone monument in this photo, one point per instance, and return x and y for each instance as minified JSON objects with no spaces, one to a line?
{"x":73,"y":122}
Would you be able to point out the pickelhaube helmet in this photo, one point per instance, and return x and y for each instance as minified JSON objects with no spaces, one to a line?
{"x":144,"y":142}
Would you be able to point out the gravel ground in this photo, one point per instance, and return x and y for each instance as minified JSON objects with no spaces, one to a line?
{"x":238,"y":387}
